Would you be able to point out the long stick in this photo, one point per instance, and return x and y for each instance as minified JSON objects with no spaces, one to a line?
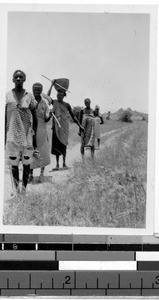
{"x":56,"y":120}
{"x":55,"y":83}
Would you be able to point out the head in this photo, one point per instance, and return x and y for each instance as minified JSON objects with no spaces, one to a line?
{"x":19,"y":78}
{"x":96,"y":109}
{"x":60,"y":95}
{"x":87,"y":102}
{"x":37,"y":90}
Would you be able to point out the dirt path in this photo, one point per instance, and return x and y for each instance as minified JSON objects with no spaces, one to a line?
{"x":73,"y":154}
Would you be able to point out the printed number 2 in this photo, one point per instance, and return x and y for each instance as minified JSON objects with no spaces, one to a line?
{"x":157,"y":280}
{"x":67,"y":279}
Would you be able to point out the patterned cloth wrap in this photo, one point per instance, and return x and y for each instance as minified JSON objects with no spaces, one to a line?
{"x":43,"y":159}
{"x":19,"y":119}
{"x":88,"y":123}
{"x":97,"y":127}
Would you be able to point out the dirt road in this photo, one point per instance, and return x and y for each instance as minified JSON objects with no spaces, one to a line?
{"x":73,"y":154}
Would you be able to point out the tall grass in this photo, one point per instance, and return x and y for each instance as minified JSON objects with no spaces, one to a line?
{"x":107,"y":192}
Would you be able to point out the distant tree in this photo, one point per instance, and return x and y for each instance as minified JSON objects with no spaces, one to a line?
{"x":126,"y":116}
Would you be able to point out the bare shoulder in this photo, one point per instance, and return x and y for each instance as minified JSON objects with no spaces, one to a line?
{"x":67,"y":105}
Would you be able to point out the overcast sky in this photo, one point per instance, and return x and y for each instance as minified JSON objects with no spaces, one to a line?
{"x":104,"y":55}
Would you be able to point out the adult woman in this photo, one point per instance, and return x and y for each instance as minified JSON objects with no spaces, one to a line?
{"x":98,"y":122}
{"x":60,"y":128}
{"x":87,"y":121}
{"x":43,"y":115}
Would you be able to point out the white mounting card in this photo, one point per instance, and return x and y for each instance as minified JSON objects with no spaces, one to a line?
{"x":109,"y":54}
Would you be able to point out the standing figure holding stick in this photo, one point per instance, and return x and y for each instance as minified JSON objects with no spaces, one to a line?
{"x":43,"y":115}
{"x":60,"y":133}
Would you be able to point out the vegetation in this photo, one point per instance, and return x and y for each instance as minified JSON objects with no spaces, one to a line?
{"x":107,"y":192}
{"x":126,"y":116}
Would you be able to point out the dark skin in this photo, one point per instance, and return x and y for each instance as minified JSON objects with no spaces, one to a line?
{"x":37,"y":90}
{"x":19,"y":91}
{"x":87,"y":103}
{"x":60,"y":97}
{"x":19,"y":80}
{"x":96,"y":113}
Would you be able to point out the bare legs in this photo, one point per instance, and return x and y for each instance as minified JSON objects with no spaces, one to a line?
{"x":82,"y":151}
{"x":57,"y":162}
{"x":82,"y":147}
{"x":25,"y":178}
{"x":15,"y":174}
{"x":64,"y":161}
{"x":98,"y":142}
{"x":41,"y":177}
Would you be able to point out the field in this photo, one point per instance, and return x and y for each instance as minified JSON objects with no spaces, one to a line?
{"x":109,"y":191}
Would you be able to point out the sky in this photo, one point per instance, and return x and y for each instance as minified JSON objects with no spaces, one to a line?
{"x":105,"y":56}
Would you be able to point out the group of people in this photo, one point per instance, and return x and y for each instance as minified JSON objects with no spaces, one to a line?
{"x":26,"y":139}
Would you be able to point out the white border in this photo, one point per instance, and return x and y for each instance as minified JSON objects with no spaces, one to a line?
{"x":150,"y":207}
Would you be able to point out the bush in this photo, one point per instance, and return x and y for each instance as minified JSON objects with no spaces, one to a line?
{"x":126,"y":116}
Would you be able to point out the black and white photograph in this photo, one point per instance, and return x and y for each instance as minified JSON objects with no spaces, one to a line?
{"x":79,"y":115}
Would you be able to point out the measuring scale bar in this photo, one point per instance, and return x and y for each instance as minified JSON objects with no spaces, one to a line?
{"x":110,"y":283}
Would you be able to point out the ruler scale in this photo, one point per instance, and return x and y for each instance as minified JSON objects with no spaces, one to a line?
{"x":67,"y":265}
{"x":80,"y":282}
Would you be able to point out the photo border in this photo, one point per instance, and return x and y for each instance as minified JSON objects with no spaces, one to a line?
{"x":151,"y":212}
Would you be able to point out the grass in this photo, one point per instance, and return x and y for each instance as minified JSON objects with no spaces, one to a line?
{"x":107,"y":192}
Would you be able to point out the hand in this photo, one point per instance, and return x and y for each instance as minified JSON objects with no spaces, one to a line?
{"x":53,"y":82}
{"x":36,"y":153}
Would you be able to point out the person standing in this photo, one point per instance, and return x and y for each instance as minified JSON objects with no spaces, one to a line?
{"x":98,"y":122}
{"x":60,"y":126}
{"x":43,"y":115}
{"x":88,"y":123}
{"x":20,"y":129}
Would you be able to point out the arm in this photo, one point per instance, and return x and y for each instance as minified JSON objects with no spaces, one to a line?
{"x":48,"y":112}
{"x":35,"y":125}
{"x":74,"y":117}
{"x":81,"y":119}
{"x":50,"y":89}
{"x":47,"y":119}
{"x":48,"y":115}
{"x":81,"y":116}
{"x":101,"y":120}
{"x":48,"y":98}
